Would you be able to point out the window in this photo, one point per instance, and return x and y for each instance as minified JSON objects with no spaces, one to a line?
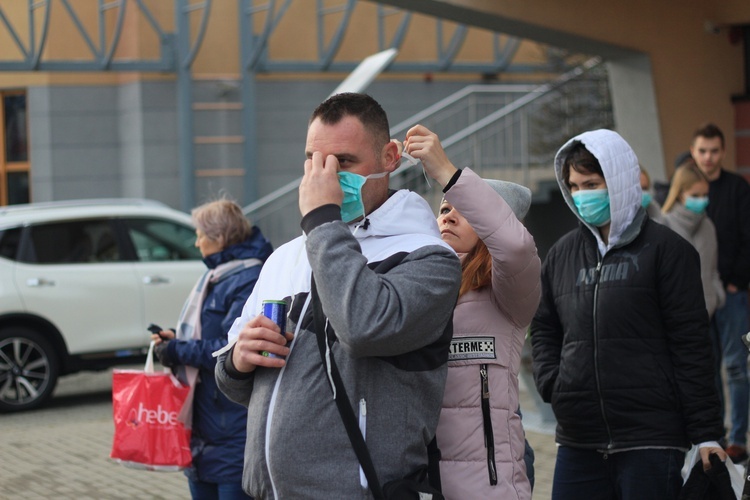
{"x":14,"y":149}
{"x":10,"y":239}
{"x":159,"y":240}
{"x":74,"y":242}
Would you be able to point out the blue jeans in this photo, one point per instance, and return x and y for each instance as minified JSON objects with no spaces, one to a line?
{"x":729,"y":324}
{"x":625,"y":475}
{"x":201,"y":490}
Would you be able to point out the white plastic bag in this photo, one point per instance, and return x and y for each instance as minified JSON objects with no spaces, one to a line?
{"x":736,"y":471}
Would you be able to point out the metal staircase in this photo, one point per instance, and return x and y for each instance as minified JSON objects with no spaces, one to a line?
{"x":509,"y":132}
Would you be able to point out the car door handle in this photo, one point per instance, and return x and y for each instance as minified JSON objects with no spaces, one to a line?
{"x":39,"y":282}
{"x":155,"y":280}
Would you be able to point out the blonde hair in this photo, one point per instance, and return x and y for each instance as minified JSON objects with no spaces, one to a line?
{"x":683,"y":179}
{"x":222,"y":221}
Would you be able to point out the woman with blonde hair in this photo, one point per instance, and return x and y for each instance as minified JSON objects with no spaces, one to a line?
{"x":480,"y":434}
{"x":684,"y":212}
{"x":234,"y":252}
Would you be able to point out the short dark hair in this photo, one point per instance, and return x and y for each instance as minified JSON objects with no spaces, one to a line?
{"x":581,"y":160}
{"x":363,"y":107}
{"x":709,"y":131}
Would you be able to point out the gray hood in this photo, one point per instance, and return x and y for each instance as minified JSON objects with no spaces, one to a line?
{"x":622,"y":174}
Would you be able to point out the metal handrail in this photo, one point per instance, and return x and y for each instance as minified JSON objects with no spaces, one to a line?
{"x":532,"y":94}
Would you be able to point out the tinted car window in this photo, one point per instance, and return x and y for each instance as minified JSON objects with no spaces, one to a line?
{"x":160,"y":240}
{"x":72,"y":242}
{"x":10,"y":239}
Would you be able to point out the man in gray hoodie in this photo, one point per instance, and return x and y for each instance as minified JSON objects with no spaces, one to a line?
{"x":387,"y":285}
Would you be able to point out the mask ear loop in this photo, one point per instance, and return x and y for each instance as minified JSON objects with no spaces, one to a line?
{"x":408,"y":161}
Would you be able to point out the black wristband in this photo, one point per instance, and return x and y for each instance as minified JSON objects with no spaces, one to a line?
{"x":453,"y":180}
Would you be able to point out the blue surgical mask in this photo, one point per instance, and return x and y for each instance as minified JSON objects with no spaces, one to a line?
{"x":352,"y":206}
{"x":696,"y":204}
{"x":646,"y":198}
{"x":593,"y":206}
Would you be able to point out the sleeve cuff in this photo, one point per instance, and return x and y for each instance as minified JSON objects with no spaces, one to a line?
{"x":709,"y":444}
{"x":171,"y":352}
{"x":453,"y":180}
{"x":233,"y":372}
{"x":321,"y":215}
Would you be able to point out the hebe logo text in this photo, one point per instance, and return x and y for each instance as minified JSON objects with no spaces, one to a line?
{"x":157,"y":416}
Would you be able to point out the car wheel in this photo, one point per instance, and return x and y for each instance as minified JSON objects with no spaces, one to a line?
{"x":28,"y":369}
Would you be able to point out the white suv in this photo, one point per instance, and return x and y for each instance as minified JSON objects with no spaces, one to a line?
{"x":79,"y":283}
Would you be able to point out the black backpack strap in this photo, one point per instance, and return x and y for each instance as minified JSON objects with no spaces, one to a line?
{"x":342,"y":400}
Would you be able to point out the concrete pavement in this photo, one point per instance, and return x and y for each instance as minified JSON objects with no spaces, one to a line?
{"x":61,"y":451}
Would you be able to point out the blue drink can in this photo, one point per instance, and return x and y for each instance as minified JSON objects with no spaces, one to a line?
{"x":276,"y":311}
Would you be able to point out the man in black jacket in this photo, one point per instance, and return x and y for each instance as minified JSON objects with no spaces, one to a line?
{"x":729,"y":210}
{"x":620,"y":341}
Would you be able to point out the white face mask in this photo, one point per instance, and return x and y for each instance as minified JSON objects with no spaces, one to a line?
{"x":408,"y":160}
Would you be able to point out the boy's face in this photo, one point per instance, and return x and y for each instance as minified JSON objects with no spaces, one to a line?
{"x":708,"y":153}
{"x":581,"y":182}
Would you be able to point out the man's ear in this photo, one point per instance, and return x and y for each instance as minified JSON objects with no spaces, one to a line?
{"x":391,"y":157}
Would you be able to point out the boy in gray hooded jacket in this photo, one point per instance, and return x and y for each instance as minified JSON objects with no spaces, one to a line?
{"x":387,"y":285}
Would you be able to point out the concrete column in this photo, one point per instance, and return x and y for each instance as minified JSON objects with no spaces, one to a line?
{"x":635,"y":111}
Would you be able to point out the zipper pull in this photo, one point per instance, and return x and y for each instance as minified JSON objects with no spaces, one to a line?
{"x":485,"y":382}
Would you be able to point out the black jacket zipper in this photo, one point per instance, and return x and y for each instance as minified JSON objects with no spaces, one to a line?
{"x":596,"y":355}
{"x":489,"y":438}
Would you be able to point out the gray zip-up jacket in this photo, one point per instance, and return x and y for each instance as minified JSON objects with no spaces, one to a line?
{"x":388,"y":287}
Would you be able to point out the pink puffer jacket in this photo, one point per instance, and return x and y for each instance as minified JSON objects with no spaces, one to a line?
{"x":489,"y":328}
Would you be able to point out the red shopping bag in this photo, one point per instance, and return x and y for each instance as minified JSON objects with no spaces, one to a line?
{"x":145,"y":406}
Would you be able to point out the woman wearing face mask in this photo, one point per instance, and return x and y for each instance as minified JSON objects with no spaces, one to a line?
{"x":684,"y":212}
{"x":479,"y":433}
{"x":621,"y":337}
{"x":647,"y":198}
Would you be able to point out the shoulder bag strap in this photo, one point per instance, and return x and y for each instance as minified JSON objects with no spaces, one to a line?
{"x":342,"y":399}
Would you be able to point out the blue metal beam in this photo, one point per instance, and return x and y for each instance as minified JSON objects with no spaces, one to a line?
{"x":257,"y":44}
{"x":12,"y":33}
{"x":254,"y":46}
{"x":186,"y":50}
{"x":401,"y":30}
{"x":109,"y":54}
{"x":326,"y":54}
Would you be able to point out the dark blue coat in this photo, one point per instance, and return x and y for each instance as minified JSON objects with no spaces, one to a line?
{"x":219,"y":425}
